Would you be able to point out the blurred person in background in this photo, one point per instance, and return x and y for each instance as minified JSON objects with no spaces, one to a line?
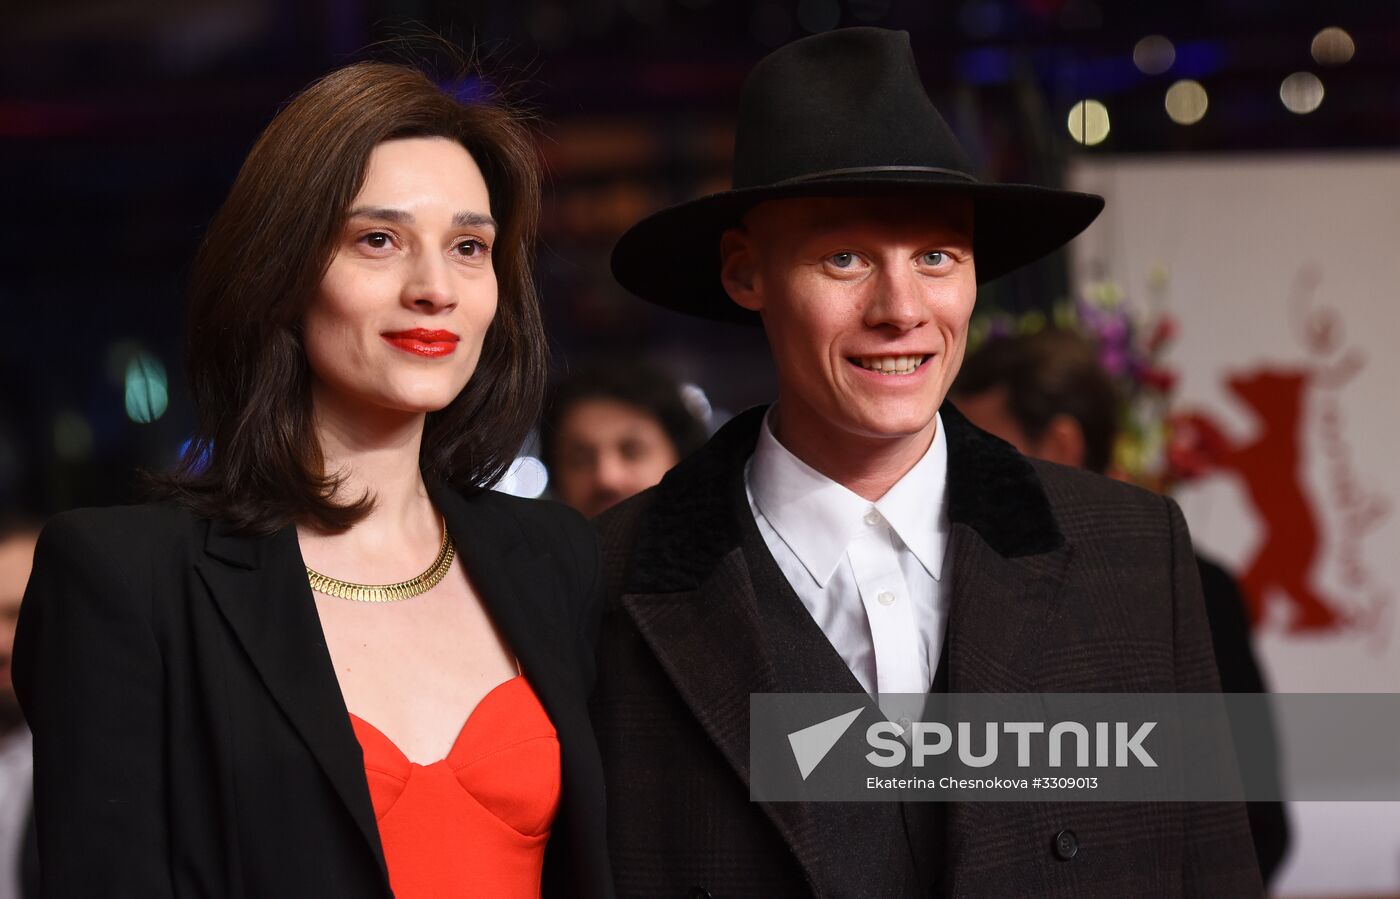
{"x":330,"y":661}
{"x":612,"y":429}
{"x":18,"y":851}
{"x":861,"y":537}
{"x":1048,"y":395}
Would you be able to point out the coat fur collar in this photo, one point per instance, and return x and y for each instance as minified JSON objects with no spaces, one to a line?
{"x":691,"y":521}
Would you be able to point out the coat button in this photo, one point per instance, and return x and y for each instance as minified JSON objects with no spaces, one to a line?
{"x":1066,"y":845}
{"x":699,"y":893}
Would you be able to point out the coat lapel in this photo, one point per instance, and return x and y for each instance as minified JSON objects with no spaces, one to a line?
{"x":692,"y":598}
{"x":708,"y":641}
{"x":1001,"y":610}
{"x":260,"y":586}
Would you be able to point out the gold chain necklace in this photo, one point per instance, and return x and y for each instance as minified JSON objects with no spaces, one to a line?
{"x":408,"y":589}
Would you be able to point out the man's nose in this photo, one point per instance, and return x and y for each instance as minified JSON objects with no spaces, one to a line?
{"x":896,"y":299}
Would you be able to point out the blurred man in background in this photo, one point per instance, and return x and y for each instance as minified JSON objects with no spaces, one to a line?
{"x":1048,"y":395}
{"x":611,"y":430}
{"x":18,"y":851}
{"x":1045,"y":394}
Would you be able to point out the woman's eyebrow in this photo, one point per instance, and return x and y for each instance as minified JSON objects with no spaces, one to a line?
{"x":474,"y":220}
{"x":382,"y":212}
{"x":399,"y":216}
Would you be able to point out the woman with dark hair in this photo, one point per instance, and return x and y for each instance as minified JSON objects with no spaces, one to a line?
{"x":612,"y":429}
{"x":329,"y":661}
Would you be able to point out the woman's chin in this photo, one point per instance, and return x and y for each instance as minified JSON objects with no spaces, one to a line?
{"x":408,"y":404}
{"x":419,"y":396}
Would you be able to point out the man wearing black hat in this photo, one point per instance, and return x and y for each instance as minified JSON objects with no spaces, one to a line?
{"x":860,"y":534}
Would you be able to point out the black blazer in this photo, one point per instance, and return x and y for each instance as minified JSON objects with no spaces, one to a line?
{"x":190,"y":737}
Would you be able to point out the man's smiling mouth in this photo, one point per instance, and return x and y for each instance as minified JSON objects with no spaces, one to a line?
{"x":889,"y":365}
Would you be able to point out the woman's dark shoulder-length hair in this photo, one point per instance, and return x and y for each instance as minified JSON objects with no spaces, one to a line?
{"x":255,"y":460}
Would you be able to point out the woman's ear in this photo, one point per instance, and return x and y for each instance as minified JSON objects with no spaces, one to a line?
{"x":737,"y":271}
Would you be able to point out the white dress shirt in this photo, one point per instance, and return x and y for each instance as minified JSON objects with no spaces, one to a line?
{"x":869,"y":573}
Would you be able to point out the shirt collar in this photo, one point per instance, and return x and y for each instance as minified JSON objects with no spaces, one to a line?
{"x":916,"y":507}
{"x":19,"y":742}
{"x":818,"y":518}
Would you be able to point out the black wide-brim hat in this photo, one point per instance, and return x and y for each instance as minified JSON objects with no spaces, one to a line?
{"x":839,"y":114}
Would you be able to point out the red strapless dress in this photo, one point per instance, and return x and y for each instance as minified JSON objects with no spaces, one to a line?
{"x":475,"y":823}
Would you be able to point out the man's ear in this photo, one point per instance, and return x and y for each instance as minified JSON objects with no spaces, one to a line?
{"x":737,"y":271}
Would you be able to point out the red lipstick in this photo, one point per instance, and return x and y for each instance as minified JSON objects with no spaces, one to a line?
{"x":422,"y":342}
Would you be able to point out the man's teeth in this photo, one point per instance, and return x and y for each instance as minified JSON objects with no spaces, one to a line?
{"x":891,"y":365}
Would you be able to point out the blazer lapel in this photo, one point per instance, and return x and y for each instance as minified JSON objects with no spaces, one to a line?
{"x":260,"y":587}
{"x":518,"y":588}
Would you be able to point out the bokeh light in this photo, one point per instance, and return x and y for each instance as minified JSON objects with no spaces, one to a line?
{"x":147,"y":392}
{"x":1154,"y":54}
{"x":1333,"y":47}
{"x":1088,"y":122}
{"x":1187,"y":102}
{"x":1301,"y":92}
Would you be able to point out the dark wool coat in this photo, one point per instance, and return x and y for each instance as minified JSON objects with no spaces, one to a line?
{"x":1061,"y":581}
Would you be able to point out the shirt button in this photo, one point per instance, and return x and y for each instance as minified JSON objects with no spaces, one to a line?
{"x":886,"y":598}
{"x":872,"y":517}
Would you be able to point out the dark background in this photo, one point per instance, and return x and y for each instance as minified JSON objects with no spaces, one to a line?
{"x":122,"y":125}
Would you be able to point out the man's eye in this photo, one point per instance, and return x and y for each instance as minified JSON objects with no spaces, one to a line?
{"x":935,"y":257}
{"x":843,"y":260}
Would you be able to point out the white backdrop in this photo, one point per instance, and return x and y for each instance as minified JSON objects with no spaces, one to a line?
{"x":1284,"y":274}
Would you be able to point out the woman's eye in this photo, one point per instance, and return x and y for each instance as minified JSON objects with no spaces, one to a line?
{"x":377,"y":240}
{"x":935,"y":257}
{"x":472,"y":249}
